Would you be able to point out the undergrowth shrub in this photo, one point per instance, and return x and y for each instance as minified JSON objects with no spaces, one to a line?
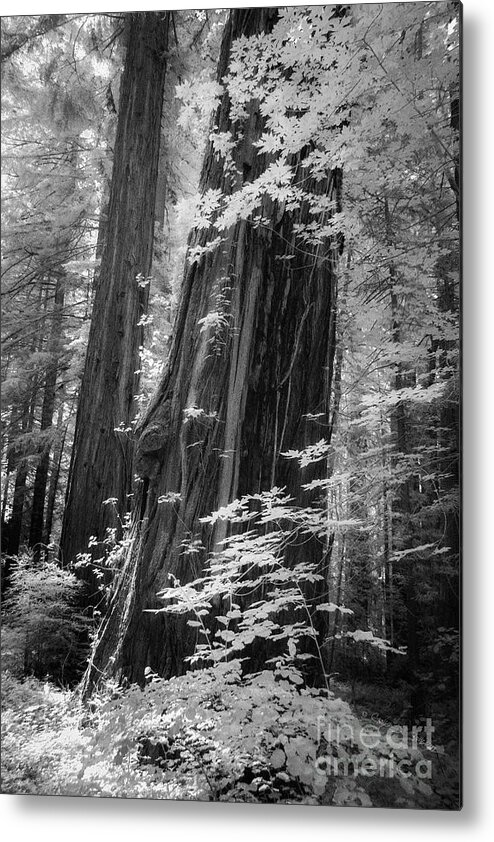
{"x":216,"y":734}
{"x":211,"y":734}
{"x":223,"y":731}
{"x":43,"y":633}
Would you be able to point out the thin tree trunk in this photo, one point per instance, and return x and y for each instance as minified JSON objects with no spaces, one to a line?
{"x":54,"y":477}
{"x":41,"y":475}
{"x":15,"y":521}
{"x":401,"y":520}
{"x":12,"y":433}
{"x":13,"y":529}
{"x":338,"y":595}
{"x":388,"y":588}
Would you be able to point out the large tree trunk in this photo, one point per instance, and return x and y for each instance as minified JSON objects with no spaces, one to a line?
{"x":101,"y":464}
{"x":254,"y":377}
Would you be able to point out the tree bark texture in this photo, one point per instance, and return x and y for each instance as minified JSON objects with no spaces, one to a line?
{"x":254,"y":377}
{"x":101,"y":463}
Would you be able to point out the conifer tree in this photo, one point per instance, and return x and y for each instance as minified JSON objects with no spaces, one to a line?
{"x":251,"y":358}
{"x":101,"y":463}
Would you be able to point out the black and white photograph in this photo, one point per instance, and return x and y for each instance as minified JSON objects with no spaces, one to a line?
{"x":231,"y":405}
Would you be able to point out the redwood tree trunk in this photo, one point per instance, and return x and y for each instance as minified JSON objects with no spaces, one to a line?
{"x":101,"y":463}
{"x":255,"y":379}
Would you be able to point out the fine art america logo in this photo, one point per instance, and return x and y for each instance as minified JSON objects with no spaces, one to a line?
{"x":352,"y":749}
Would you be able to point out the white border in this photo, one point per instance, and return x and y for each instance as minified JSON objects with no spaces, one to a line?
{"x":40,"y":818}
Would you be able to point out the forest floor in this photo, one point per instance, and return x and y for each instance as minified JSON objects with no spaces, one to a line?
{"x":52,"y":745}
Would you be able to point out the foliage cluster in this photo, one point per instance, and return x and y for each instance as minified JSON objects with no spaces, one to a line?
{"x":43,"y":631}
{"x":208,"y":735}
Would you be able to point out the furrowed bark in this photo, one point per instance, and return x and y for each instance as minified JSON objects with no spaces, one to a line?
{"x":101,"y":463}
{"x":254,"y":377}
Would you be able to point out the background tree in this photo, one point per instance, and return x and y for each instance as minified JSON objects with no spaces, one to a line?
{"x":101,"y":463}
